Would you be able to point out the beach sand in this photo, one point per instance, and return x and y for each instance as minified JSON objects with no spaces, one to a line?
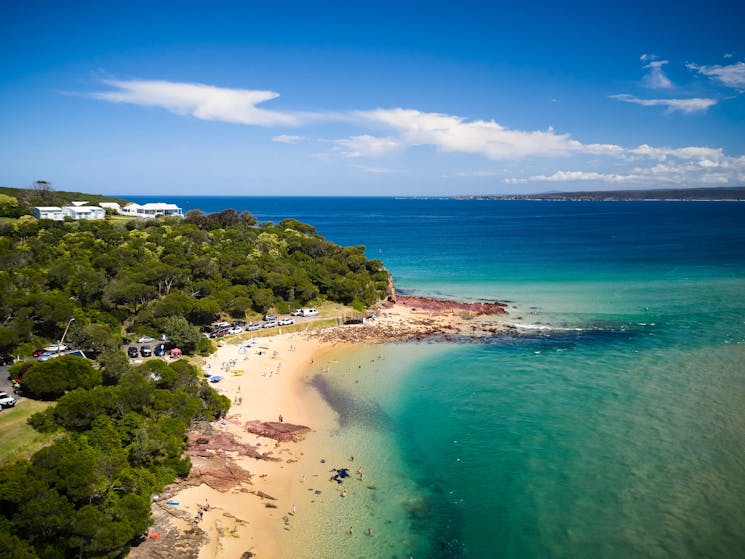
{"x":273,"y":512}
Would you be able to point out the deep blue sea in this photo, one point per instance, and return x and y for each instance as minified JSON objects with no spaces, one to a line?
{"x":612,"y":425}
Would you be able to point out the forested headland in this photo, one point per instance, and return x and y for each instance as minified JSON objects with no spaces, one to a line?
{"x":166,"y":276}
{"x":120,"y":430}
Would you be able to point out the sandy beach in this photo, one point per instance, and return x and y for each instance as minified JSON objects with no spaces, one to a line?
{"x":249,"y":494}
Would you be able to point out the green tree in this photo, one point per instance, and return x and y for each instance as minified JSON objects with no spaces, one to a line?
{"x":181,"y":333}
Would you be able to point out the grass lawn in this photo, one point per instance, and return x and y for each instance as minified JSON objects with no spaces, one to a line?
{"x":17,"y":438}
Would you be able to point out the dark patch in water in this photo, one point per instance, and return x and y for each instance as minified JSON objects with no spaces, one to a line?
{"x":351,"y":407}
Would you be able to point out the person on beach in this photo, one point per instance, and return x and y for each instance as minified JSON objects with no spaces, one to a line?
{"x":350,"y":531}
{"x":281,"y":419}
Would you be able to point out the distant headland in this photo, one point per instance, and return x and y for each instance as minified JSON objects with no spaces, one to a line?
{"x":733,"y":193}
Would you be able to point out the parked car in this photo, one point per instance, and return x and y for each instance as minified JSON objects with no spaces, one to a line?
{"x":253,"y":326}
{"x":309,"y":312}
{"x":219,"y":333}
{"x":235,"y":330}
{"x":270,"y":317}
{"x":145,"y":340}
{"x":160,"y":350}
{"x":297,"y":312}
{"x":45,"y":356}
{"x":5,"y":359}
{"x":7,"y":401}
{"x":285,"y":321}
{"x":269,"y":324}
{"x":132,"y":351}
{"x":56,"y":347}
{"x":38,"y":352}
{"x":146,"y":351}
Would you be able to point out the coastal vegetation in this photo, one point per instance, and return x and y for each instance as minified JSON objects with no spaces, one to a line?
{"x":19,"y":202}
{"x":108,"y":436}
{"x":168,"y":276}
{"x":119,"y":437}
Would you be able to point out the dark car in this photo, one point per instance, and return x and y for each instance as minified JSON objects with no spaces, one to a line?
{"x":160,"y":350}
{"x":38,"y":352}
{"x":146,"y":351}
{"x":5,"y":360}
{"x":132,"y":351}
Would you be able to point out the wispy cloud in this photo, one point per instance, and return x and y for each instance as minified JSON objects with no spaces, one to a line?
{"x":693,"y":105}
{"x":205,"y":102}
{"x":731,"y":75}
{"x":375,"y":170}
{"x":572,"y":176}
{"x":287,"y":139}
{"x":686,"y":166}
{"x":365,"y":145}
{"x":477,"y":174}
{"x":655,"y":78}
{"x":451,"y":133}
{"x":382,"y":132}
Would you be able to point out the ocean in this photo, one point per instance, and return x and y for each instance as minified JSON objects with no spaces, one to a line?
{"x":611,"y":425}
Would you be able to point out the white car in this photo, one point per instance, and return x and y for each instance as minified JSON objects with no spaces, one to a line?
{"x":297,"y":312}
{"x":269,"y":324}
{"x":235,"y":330}
{"x":7,"y":401}
{"x":285,"y":321}
{"x":56,"y":347}
{"x":145,"y":340}
{"x":310,"y":312}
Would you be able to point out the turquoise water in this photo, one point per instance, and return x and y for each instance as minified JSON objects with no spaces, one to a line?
{"x":613,"y":426}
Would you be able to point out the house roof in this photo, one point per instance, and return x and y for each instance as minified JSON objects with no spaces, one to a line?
{"x":159,"y":206}
{"x":48,"y":208}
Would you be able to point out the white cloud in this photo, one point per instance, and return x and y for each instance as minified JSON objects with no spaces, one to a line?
{"x":728,"y":55}
{"x":696,"y":104}
{"x":573,"y":176}
{"x":202,"y":101}
{"x":691,"y":168}
{"x":731,"y":75}
{"x":695,"y":153}
{"x":455,"y":134}
{"x":478,"y":174}
{"x":375,"y":170}
{"x":399,"y":128}
{"x":365,"y":145}
{"x":655,"y":78}
{"x":287,"y":139}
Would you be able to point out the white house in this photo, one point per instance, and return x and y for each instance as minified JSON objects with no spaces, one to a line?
{"x":49,"y":212}
{"x":84,"y":212}
{"x":75,"y":212}
{"x":151,"y":210}
{"x":111,"y":206}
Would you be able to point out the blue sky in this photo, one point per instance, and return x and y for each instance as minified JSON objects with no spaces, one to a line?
{"x":371,"y":98}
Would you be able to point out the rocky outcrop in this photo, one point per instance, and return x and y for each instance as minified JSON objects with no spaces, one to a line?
{"x":281,"y":432}
{"x":443,"y":305}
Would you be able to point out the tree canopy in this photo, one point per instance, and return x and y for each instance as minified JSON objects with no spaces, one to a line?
{"x":142,"y":274}
{"x":88,"y":493}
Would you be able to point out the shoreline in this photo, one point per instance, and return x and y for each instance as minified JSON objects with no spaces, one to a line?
{"x":246,"y":490}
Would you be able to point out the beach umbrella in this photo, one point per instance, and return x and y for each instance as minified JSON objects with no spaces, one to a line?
{"x":175,"y":351}
{"x":215,"y":378}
